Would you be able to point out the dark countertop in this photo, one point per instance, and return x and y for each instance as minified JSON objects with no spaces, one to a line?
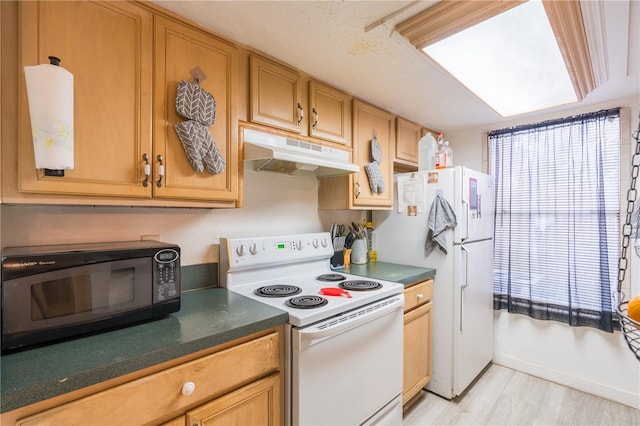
{"x":403,"y":274}
{"x":208,"y":317}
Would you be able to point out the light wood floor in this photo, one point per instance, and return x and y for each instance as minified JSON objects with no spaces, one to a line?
{"x":501,"y":396}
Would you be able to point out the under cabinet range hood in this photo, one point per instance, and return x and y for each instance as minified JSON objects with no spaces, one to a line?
{"x":279,"y":154}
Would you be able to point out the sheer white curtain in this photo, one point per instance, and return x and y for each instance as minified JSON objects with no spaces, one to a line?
{"x":557,"y":218}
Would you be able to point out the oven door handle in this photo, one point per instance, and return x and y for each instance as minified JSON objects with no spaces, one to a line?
{"x":331,"y":327}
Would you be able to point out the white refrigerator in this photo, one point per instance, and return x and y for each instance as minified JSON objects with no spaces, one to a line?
{"x":462,"y":328}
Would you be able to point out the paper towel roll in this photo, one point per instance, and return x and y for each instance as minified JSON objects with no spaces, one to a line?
{"x":50,"y":95}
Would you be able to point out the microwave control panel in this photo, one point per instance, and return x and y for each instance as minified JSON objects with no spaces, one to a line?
{"x":166,"y":275}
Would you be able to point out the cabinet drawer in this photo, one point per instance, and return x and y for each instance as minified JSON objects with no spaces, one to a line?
{"x":143,"y":400}
{"x":418,"y":294}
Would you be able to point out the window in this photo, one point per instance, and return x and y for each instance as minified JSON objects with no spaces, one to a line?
{"x":505,"y":50}
{"x":557,"y":218}
{"x":511,"y":61}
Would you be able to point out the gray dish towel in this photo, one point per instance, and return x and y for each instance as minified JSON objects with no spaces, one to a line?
{"x":441,"y":217}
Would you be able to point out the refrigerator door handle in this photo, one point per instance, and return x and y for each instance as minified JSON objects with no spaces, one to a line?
{"x":466,"y":280}
{"x":466,"y":225}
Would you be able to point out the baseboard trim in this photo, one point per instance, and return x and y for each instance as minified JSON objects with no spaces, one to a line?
{"x":603,"y":391}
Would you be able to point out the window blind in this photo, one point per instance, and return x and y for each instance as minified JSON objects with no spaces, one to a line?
{"x":557,"y":218}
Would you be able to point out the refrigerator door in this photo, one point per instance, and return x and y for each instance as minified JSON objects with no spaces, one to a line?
{"x":473,"y":307}
{"x":402,"y":232}
{"x":473,"y":205}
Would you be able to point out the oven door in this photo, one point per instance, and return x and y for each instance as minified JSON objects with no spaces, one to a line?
{"x":74,"y":301}
{"x":347,"y":370}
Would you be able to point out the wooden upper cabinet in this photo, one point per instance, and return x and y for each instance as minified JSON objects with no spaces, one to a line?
{"x":355,"y":191}
{"x":108,"y":49}
{"x":368,"y":119}
{"x":179,"y":49}
{"x":407,"y":136}
{"x":276,"y":96}
{"x":278,"y":100}
{"x":330,"y":113}
{"x":127,"y":60}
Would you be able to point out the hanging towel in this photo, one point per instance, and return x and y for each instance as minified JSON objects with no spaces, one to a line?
{"x":441,"y":217}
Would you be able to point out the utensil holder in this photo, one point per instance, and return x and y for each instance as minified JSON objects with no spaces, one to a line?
{"x":359,"y":251}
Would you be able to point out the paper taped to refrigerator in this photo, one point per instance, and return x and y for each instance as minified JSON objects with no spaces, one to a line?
{"x":411,"y":195}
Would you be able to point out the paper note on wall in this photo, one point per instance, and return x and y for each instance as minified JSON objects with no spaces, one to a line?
{"x":50,"y":96}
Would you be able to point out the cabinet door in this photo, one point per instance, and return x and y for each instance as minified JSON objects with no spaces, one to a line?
{"x":368,"y":119}
{"x":108,"y":49}
{"x":255,"y":404}
{"x":276,"y":96}
{"x":180,"y":49}
{"x":417,"y":351}
{"x":329,"y":113}
{"x":407,"y":137}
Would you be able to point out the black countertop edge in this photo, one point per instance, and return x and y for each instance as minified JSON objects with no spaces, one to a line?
{"x":208,"y":317}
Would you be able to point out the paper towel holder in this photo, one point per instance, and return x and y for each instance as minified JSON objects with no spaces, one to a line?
{"x":50,"y":97}
{"x":54,"y":60}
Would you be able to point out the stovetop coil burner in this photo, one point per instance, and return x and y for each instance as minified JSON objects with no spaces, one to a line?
{"x":360,"y":285}
{"x":306,"y":302}
{"x":277,"y":291}
{"x":331,"y":277}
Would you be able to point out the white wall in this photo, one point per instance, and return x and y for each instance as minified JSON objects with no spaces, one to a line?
{"x":274,"y":205}
{"x":580,"y":357}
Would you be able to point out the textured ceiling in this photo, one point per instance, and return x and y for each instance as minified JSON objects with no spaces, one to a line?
{"x":327,"y":39}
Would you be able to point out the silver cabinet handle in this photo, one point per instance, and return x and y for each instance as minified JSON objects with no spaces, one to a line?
{"x":300,"y":114}
{"x":147,"y":170}
{"x":160,"y":170}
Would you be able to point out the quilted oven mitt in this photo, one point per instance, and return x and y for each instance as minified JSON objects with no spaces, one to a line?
{"x":201,"y":150}
{"x":200,"y":107}
{"x":376,"y":180}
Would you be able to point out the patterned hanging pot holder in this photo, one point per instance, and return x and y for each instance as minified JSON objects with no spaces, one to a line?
{"x":376,"y":180}
{"x":199,"y":106}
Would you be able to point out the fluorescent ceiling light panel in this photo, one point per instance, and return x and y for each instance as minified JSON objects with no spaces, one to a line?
{"x":511,"y":61}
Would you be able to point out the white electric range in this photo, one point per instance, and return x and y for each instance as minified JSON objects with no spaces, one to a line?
{"x":344,"y":336}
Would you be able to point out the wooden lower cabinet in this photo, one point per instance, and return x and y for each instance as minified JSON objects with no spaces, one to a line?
{"x":417,"y":339}
{"x":240,"y":384}
{"x":254,"y":404}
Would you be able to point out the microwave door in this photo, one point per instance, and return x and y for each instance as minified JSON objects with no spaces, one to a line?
{"x":65,"y":297}
{"x":49,"y":304}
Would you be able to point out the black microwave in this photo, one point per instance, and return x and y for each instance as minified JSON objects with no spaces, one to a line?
{"x":56,"y":292}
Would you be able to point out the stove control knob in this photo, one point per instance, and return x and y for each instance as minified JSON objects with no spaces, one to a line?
{"x":324,"y":242}
{"x":299,"y":245}
{"x":253,"y":248}
{"x":241,"y":250}
{"x":315,"y":243}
